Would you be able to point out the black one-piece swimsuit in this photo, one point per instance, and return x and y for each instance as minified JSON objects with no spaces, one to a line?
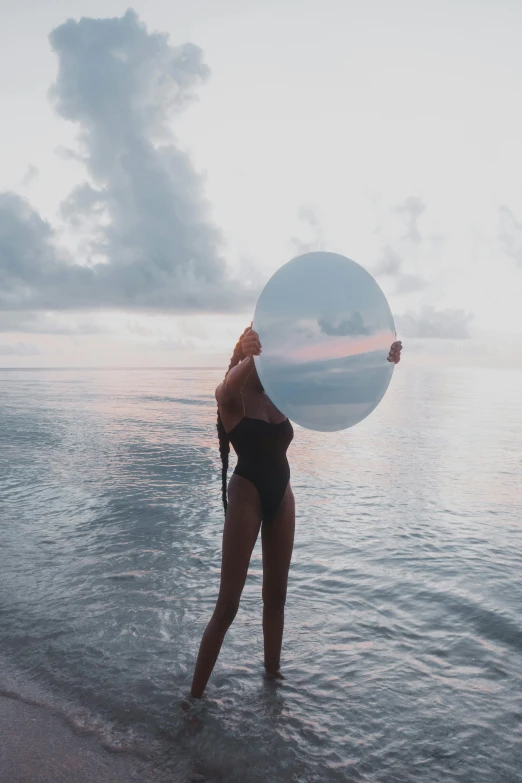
{"x":261,"y":458}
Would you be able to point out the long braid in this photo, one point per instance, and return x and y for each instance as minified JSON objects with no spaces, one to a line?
{"x":224,"y":443}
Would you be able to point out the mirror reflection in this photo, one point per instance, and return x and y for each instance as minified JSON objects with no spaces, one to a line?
{"x":326,"y":330}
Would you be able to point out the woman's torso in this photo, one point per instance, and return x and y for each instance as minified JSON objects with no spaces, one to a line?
{"x":260,"y":437}
{"x":251,"y":405}
{"x":257,"y":430}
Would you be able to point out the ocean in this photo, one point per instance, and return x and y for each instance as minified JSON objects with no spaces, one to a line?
{"x":402,"y":649}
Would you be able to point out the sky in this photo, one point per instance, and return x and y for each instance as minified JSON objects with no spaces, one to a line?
{"x":162,"y":160}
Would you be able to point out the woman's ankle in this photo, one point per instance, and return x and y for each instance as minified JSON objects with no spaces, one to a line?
{"x":273,"y":668}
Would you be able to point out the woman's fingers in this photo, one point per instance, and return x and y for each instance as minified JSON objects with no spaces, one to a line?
{"x":251,"y":347}
{"x":251,"y":343}
{"x":395,"y":352}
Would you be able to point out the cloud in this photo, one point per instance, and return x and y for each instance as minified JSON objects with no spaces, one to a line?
{"x":308,"y":216}
{"x":431,"y":323}
{"x":169,"y":344}
{"x":49,"y":323}
{"x":68,"y":154}
{"x":412,"y":208}
{"x":389,"y":263}
{"x":19,"y":349}
{"x":397,"y":257}
{"x":152,"y":243}
{"x":193,"y":328}
{"x":406,"y":283}
{"x":353,"y":326}
{"x":32,"y":270}
{"x":510,"y":235}
{"x":30,"y":175}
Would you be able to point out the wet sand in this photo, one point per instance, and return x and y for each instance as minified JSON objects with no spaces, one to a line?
{"x":38,"y":747}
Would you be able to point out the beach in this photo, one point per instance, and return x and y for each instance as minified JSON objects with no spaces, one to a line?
{"x":39,"y":747}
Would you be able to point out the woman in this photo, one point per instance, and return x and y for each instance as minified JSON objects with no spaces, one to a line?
{"x":258,"y":492}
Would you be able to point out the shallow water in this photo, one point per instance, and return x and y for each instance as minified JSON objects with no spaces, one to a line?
{"x":403,"y":637}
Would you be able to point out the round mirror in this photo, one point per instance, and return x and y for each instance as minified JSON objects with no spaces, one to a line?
{"x":326,"y":330}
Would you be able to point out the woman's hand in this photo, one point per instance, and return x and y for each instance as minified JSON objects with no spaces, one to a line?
{"x":250,"y":344}
{"x":395,"y":352}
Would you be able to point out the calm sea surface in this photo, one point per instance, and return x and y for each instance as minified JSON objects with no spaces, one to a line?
{"x":403,"y":637}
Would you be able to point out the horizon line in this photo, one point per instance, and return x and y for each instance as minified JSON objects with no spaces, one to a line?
{"x":135,"y":367}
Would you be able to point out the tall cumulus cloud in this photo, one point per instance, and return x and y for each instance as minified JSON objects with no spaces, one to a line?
{"x":152,"y":244}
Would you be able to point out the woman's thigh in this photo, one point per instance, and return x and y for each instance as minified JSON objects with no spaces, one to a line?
{"x":240,"y":532}
{"x":278,"y":542}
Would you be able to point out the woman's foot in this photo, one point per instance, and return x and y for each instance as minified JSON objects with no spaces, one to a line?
{"x":273,"y":673}
{"x":189,"y":708}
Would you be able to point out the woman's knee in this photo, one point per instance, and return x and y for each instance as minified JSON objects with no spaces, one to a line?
{"x":274,"y":597}
{"x":225,"y":611}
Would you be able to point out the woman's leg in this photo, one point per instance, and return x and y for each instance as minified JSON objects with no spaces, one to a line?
{"x":278,"y":541}
{"x":242,"y":523}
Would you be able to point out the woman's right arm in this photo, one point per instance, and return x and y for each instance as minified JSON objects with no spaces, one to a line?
{"x":237,"y":375}
{"x":234,"y":380}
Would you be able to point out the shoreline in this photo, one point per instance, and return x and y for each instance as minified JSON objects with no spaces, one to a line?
{"x":38,"y":746}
